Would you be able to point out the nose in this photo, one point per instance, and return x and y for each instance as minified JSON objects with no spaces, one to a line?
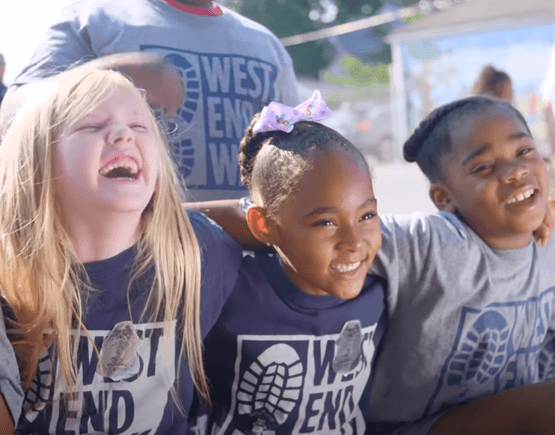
{"x":515,"y":172}
{"x":350,"y":238}
{"x":119,"y":133}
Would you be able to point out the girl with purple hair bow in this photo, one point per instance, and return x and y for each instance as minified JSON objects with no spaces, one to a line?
{"x":293,"y":348}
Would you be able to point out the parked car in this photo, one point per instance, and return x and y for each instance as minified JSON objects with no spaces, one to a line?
{"x":368,"y":126}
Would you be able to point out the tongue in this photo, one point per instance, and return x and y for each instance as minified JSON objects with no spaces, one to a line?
{"x":119,"y":173}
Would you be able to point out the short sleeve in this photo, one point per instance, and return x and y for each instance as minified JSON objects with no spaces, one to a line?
{"x":10,"y":382}
{"x":221,"y":259}
{"x":414,"y":248}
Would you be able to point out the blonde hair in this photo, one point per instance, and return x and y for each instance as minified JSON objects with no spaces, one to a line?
{"x":40,"y":277}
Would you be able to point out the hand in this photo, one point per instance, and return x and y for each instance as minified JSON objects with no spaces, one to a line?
{"x":160,"y":79}
{"x":544,"y":231}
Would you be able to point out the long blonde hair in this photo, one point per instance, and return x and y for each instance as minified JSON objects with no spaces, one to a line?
{"x":40,"y":277}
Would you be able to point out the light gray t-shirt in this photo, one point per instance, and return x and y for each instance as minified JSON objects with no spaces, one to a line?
{"x":231,"y":67}
{"x":10,"y":380}
{"x":466,"y":320}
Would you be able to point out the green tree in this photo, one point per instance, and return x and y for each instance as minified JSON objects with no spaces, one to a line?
{"x":292,"y":17}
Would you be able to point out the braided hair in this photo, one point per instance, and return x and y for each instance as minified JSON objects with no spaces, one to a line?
{"x":272,"y":163}
{"x":432,"y":139}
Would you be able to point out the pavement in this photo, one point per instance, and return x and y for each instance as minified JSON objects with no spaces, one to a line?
{"x":400,"y":188}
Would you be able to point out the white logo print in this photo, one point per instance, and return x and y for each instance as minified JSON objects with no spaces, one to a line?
{"x":299,"y":384}
{"x":271,"y":386}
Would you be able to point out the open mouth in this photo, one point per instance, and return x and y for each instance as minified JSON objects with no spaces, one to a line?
{"x":346,"y":268}
{"x":126,"y":168}
{"x":522,"y":197}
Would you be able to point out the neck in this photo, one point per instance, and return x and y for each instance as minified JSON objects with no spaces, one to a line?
{"x":508,"y":242}
{"x":97,"y":238}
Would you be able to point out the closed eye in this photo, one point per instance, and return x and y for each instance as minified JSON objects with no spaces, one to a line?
{"x":138,"y":126}
{"x":482,"y":169}
{"x":90,"y":127}
{"x":526,"y":150}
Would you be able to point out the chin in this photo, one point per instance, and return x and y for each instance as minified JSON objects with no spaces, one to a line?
{"x":348,"y":294}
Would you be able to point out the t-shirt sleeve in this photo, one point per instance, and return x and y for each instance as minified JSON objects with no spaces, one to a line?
{"x":221,"y":259}
{"x":413,"y":246}
{"x":10,"y":382}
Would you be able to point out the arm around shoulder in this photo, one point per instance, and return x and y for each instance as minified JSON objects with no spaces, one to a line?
{"x":525,"y":410}
{"x":230,"y":216}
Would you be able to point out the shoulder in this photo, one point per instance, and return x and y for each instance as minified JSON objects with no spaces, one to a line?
{"x":245,"y":22}
{"x":208,"y":231}
{"x":221,"y":254}
{"x":248,"y":25}
{"x":425,"y":225}
{"x":92,"y":11}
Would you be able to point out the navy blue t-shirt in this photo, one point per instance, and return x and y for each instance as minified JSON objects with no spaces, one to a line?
{"x":140,"y":402}
{"x":282,"y":361}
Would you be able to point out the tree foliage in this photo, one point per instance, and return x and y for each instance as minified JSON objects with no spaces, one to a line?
{"x":291,"y":17}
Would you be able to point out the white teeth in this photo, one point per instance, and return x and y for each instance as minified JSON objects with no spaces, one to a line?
{"x":343,"y":268}
{"x":522,"y":196}
{"x":127,"y":162}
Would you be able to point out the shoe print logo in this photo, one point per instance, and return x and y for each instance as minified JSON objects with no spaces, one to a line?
{"x":182,"y":148}
{"x":483,"y":352}
{"x":271,"y":387}
{"x":41,"y":390}
{"x":546,"y":360}
{"x":498,"y":347}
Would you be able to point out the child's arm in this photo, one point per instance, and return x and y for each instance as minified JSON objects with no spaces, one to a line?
{"x":529,"y":409}
{"x":159,"y":79}
{"x":6,"y":423}
{"x":228,"y":214}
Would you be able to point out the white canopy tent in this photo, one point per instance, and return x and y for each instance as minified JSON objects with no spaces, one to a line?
{"x":470,"y":16}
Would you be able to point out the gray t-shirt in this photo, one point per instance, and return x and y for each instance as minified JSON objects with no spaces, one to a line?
{"x":231,"y":68}
{"x":10,"y":381}
{"x":466,"y":320}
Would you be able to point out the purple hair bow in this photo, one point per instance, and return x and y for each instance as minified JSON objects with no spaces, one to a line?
{"x":278,"y":116}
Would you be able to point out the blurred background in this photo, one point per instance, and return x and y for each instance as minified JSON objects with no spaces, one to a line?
{"x":381,"y":65}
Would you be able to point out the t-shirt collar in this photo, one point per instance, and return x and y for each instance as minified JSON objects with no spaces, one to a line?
{"x":214,"y":11}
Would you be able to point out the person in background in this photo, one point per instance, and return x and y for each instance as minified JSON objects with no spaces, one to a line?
{"x":219,"y":69}
{"x":494,"y":83}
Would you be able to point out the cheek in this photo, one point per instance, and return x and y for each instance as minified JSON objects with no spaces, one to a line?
{"x":305,"y":249}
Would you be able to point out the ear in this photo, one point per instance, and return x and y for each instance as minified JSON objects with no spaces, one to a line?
{"x":442,"y":198}
{"x":259,"y":224}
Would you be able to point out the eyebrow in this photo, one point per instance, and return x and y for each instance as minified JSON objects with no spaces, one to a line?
{"x":322,"y":210}
{"x":513,"y":137}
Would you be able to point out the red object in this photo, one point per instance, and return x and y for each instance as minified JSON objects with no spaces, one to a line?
{"x":214,"y":11}
{"x":364,"y":125}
